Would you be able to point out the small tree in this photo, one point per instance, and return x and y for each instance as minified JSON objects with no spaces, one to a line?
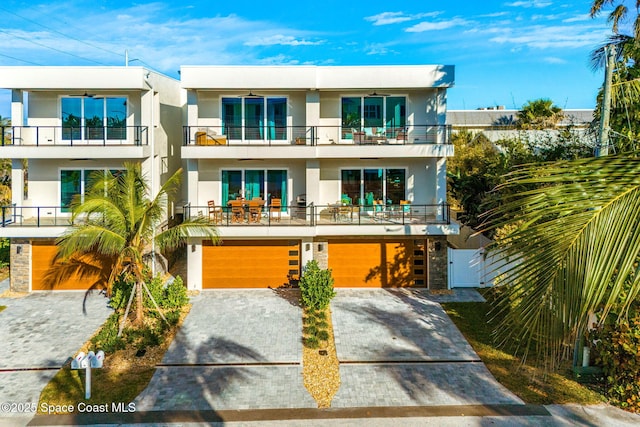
{"x":316,"y":287}
{"x":116,"y":227}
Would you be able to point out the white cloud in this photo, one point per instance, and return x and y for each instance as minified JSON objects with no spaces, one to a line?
{"x":440,"y":25}
{"x":280,"y":39}
{"x":529,"y":3}
{"x":554,"y":60}
{"x":386,"y":18}
{"x":542,"y":37}
{"x":578,"y":18}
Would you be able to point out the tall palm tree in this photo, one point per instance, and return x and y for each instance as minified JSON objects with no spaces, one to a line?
{"x":574,"y":249}
{"x":618,"y":14}
{"x":116,"y":226}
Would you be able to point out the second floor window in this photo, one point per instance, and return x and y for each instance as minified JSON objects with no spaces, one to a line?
{"x":94,"y":118}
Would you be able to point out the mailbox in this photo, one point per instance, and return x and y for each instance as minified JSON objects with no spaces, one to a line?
{"x":97,"y":360}
{"x":76,"y":363}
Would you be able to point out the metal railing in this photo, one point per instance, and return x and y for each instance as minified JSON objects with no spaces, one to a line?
{"x":74,"y":136}
{"x":291,"y":215}
{"x":35,"y":216}
{"x":331,"y":214}
{"x":315,"y":135}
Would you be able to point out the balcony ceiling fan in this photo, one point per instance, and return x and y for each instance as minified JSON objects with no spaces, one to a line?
{"x":374,"y":93}
{"x":250,"y":95}
{"x":86,"y":95}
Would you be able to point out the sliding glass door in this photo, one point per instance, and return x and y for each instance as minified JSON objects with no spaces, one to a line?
{"x":255,"y":118}
{"x":266,"y":184}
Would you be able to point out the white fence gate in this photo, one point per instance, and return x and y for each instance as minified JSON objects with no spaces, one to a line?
{"x":466,"y":268}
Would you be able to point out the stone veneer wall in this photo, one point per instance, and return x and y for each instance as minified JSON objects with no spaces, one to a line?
{"x":321,"y":256}
{"x":438,"y":263}
{"x":20,"y":265}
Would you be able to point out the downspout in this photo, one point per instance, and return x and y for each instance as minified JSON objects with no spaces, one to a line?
{"x":152,"y":139}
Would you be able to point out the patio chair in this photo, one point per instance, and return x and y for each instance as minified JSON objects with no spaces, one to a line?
{"x":215,"y":212}
{"x":275,"y":208}
{"x":237,"y":211}
{"x":255,"y":210}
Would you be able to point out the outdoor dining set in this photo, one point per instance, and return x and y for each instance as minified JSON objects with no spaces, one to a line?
{"x":245,"y":211}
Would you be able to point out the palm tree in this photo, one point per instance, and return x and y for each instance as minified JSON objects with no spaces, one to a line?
{"x":115,"y":231}
{"x":618,"y":15}
{"x":574,"y":249}
{"x":539,"y":114}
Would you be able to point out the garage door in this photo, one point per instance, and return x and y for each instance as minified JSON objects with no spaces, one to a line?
{"x":41,"y":270}
{"x":250,"y":263}
{"x":379,"y":263}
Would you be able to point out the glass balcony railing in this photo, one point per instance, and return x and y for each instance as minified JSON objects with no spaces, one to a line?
{"x":317,"y":215}
{"x":74,"y":136}
{"x":254,"y":216}
{"x":315,"y":135}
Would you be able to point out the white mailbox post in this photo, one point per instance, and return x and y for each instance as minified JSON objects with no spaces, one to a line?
{"x":86,"y":362}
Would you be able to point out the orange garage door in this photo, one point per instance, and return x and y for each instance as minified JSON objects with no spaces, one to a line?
{"x":379,"y":263}
{"x":250,"y":263}
{"x":42,"y":256}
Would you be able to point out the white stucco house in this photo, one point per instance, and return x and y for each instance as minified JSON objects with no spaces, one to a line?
{"x":344,"y":165}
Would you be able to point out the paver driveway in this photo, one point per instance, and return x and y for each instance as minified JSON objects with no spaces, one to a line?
{"x":243,"y":350}
{"x":398,"y":347}
{"x":39,"y":333}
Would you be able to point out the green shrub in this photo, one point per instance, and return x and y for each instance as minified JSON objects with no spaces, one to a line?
{"x":311,"y":329}
{"x":156,"y":288}
{"x":175,"y":294}
{"x":316,"y":287}
{"x":322,"y":335}
{"x":618,"y":352}
{"x":311,"y":342}
{"x":120,"y":292}
{"x":5,"y":251}
{"x":107,"y":338}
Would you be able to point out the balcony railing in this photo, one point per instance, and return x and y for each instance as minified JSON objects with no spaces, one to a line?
{"x":294,"y":215}
{"x":315,"y":135}
{"x":313,"y":215}
{"x":74,"y":136}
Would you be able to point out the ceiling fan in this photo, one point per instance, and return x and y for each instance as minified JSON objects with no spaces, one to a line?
{"x":86,"y":95}
{"x":374,"y":93}
{"x":250,"y":95}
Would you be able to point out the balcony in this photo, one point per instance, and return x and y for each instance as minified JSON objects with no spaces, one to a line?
{"x":319,"y":215}
{"x":71,"y":136}
{"x":88,"y":142}
{"x":314,"y":135}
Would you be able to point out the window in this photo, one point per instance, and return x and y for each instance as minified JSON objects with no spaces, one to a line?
{"x":385,"y":113}
{"x":364,"y":186}
{"x":252,"y":183}
{"x":77,"y":181}
{"x":92,"y":118}
{"x":255,"y":118}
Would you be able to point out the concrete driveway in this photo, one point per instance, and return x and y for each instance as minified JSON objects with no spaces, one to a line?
{"x":39,"y":333}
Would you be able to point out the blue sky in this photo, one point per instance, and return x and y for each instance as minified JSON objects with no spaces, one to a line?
{"x":505,"y":52}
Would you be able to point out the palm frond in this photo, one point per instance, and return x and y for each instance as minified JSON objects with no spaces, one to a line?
{"x":175,"y":236}
{"x":574,"y":252}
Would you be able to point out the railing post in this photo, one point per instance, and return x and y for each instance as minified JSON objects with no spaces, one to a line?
{"x":4,"y":222}
{"x":38,"y":216}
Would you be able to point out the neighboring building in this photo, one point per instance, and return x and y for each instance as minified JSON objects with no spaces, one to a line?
{"x":498,"y":123}
{"x":66,"y":123}
{"x":347,"y":165}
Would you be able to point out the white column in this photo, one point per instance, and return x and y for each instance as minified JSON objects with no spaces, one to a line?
{"x":17,"y":107}
{"x":307,"y":251}
{"x":17,"y":182}
{"x":192,"y":182}
{"x":194,"y":264}
{"x":192,"y":107}
{"x":313,"y":181}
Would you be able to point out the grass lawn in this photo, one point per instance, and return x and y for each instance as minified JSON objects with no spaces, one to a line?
{"x":124,"y":376}
{"x":526,"y":381}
